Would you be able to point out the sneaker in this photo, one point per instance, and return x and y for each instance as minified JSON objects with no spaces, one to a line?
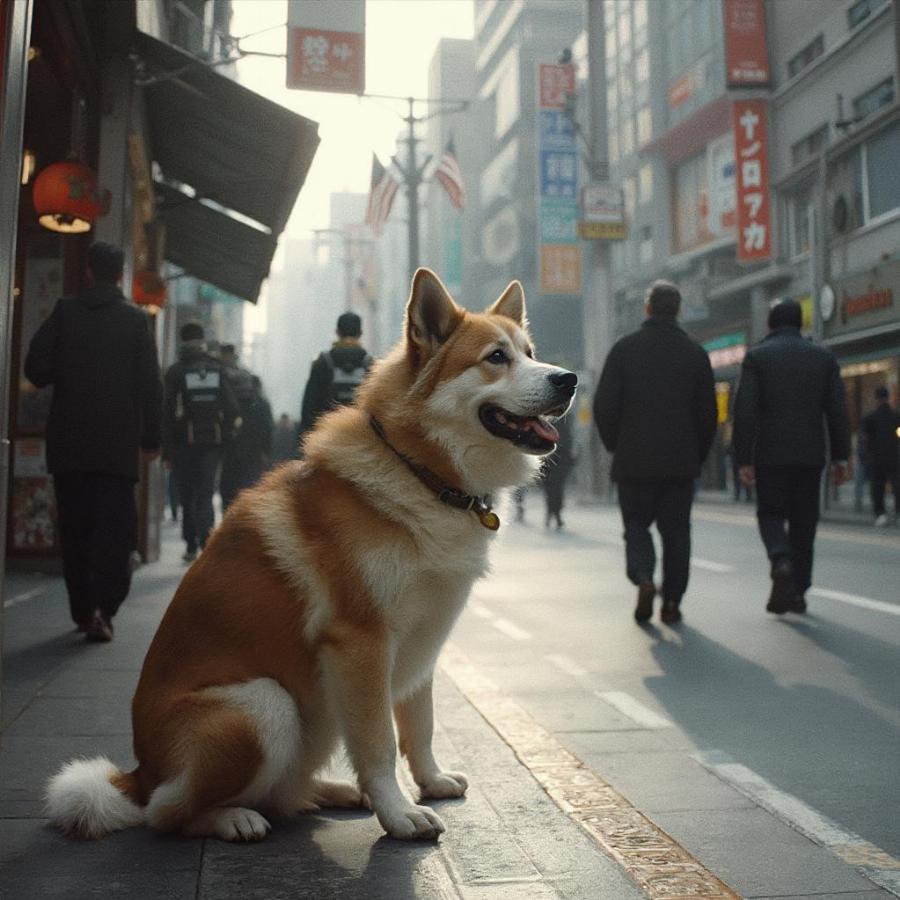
{"x":882,"y":521}
{"x":100,"y":631}
{"x":670,"y":612}
{"x":189,"y":555}
{"x":797,"y":604}
{"x":782,"y":586}
{"x":644,"y":609}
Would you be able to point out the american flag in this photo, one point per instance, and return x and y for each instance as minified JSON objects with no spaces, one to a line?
{"x":450,"y":177}
{"x":381,"y":196}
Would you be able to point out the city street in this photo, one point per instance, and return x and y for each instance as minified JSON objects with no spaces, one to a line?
{"x":606,"y":760}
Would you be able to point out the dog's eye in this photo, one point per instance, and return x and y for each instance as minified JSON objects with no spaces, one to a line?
{"x":498,"y":357}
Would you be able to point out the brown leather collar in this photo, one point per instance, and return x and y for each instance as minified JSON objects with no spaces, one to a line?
{"x":481,"y":506}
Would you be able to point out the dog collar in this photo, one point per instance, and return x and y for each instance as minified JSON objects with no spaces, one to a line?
{"x":481,"y":506}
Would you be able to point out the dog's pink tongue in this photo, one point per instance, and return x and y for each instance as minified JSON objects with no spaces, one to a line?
{"x":544,"y":430}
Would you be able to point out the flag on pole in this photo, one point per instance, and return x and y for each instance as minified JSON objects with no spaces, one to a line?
{"x":381,"y":196}
{"x":450,"y":177}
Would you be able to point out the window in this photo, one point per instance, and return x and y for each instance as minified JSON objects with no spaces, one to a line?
{"x":861,"y":10}
{"x":612,"y":101}
{"x":640,"y":13}
{"x":882,"y":173}
{"x":799,"y":61}
{"x":873,"y":100}
{"x":642,"y":66}
{"x":799,"y":206}
{"x":626,"y":138}
{"x":806,"y":148}
{"x":644,"y":126}
{"x":613,"y":148}
{"x":690,"y":226}
{"x":628,"y":194}
{"x":645,"y":183}
{"x":624,"y":27}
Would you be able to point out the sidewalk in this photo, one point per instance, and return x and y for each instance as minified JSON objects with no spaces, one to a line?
{"x":63,"y":697}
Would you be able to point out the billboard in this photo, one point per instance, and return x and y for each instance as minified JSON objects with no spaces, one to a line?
{"x":754,"y":220}
{"x":746,"y":50}
{"x":326,"y":46}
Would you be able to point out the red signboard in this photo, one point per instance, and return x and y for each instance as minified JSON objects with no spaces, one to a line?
{"x":746,"y":51}
{"x":326,"y":46}
{"x":556,"y":84}
{"x":751,"y":156}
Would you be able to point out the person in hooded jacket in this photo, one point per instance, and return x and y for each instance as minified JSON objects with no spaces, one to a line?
{"x":97,"y":351}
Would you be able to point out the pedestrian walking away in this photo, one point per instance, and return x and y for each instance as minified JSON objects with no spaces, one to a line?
{"x":336,"y":373}
{"x":200,"y":414}
{"x":881,"y":437}
{"x":655,"y":409}
{"x":556,"y":470}
{"x":789,"y":388}
{"x":284,"y":439}
{"x":97,"y":351}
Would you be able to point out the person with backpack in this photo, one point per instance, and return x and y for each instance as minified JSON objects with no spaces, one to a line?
{"x":336,"y":373}
{"x":200,"y":414}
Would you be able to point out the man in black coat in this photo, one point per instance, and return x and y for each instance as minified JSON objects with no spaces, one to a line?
{"x":881,"y":434}
{"x":97,"y":351}
{"x":655,"y":409}
{"x":789,"y":389}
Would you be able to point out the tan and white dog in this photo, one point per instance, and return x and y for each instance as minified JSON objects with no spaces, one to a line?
{"x":319,"y":606}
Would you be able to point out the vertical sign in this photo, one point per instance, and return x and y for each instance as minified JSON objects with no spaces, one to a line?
{"x":326,"y":46}
{"x":746,"y":51}
{"x":754,"y":238}
{"x":559,"y":249}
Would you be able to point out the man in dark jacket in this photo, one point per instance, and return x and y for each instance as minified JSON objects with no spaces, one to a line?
{"x":200,"y":416}
{"x":655,"y":409}
{"x":881,"y":434}
{"x":788,"y":389}
{"x":97,"y":351}
{"x":336,"y":373}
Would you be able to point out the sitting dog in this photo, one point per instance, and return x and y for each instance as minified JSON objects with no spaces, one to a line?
{"x":319,"y":606}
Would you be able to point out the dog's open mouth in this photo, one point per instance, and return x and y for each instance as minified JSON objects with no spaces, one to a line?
{"x":533,"y":434}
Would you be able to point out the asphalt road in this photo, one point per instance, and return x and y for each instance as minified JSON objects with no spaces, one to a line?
{"x":735,"y":730}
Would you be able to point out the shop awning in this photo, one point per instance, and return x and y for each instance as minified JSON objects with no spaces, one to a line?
{"x":214,"y":140}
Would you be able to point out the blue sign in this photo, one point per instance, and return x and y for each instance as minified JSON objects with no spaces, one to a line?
{"x":556,"y":130}
{"x":559,"y":174}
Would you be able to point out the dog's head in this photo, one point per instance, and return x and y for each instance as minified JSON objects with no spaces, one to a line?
{"x":479,"y":391}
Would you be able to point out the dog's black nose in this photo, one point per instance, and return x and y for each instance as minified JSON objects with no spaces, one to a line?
{"x":564,"y":380}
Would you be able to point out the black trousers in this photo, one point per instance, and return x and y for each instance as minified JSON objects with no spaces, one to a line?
{"x":195,"y":473}
{"x":880,"y":476}
{"x":787,"y":509}
{"x":668,"y":504}
{"x":98,"y":531}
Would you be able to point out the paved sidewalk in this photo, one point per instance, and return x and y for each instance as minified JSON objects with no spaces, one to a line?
{"x":62,"y":698}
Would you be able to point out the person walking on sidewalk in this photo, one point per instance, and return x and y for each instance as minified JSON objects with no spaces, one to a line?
{"x":789,"y":388}
{"x":200,"y":414}
{"x":97,"y":351}
{"x":881,"y":431}
{"x":556,"y":469}
{"x":655,"y":409}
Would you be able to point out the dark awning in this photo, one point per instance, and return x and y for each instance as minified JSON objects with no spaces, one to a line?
{"x":229,"y":145}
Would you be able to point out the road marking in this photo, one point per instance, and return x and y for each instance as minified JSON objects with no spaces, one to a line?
{"x":481,"y":611}
{"x":511,"y":630}
{"x":872,"y":861}
{"x":634,"y":709}
{"x":24,"y":598}
{"x":564,"y":664}
{"x":856,"y":600}
{"x":651,"y":858}
{"x":710,"y":566}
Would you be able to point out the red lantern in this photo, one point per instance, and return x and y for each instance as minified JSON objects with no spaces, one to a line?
{"x":149,"y":289}
{"x":66,"y":197}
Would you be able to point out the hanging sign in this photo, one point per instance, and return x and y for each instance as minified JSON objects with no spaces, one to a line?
{"x":746,"y":53}
{"x":326,"y":46}
{"x":751,"y":154}
{"x":602,"y":212}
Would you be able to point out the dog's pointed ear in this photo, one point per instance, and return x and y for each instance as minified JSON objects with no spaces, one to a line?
{"x":431,"y":314}
{"x":511,"y":304}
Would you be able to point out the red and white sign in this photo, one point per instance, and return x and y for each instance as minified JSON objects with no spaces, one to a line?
{"x":746,"y":50}
{"x":326,"y":46}
{"x":751,"y":157}
{"x":556,"y":84}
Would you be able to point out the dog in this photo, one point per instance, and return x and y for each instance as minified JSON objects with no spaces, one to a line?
{"x":317,"y":610}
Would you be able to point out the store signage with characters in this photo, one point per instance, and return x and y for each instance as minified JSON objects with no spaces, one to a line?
{"x":602,"y":212}
{"x":726,"y":350}
{"x":746,"y":54}
{"x":751,"y":155}
{"x":326,"y":46}
{"x":867,"y":299}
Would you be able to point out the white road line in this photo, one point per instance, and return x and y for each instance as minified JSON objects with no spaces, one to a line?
{"x":634,"y":709}
{"x":856,"y":600}
{"x":481,"y":611}
{"x":564,"y":664}
{"x":511,"y":630}
{"x":24,"y":598}
{"x":877,"y":865}
{"x":710,"y":566}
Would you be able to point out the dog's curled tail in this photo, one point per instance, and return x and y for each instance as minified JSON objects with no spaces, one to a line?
{"x":91,"y":797}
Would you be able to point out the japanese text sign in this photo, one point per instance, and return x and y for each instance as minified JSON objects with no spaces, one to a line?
{"x":746,"y":52}
{"x":751,"y":155}
{"x":326,"y":46}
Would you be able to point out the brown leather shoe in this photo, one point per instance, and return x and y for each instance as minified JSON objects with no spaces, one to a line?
{"x":782,"y":587}
{"x":100,"y":630}
{"x":644,"y":609}
{"x":670,"y":613}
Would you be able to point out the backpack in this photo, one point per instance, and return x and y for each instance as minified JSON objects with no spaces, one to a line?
{"x":344,"y":381}
{"x":200,"y":404}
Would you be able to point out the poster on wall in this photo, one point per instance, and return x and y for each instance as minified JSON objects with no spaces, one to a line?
{"x":33,"y":502}
{"x":746,"y":51}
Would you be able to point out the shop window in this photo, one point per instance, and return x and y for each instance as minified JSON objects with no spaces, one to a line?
{"x":861,"y":10}
{"x":806,"y":148}
{"x":882,"y":172}
{"x":873,"y":100}
{"x":799,"y":61}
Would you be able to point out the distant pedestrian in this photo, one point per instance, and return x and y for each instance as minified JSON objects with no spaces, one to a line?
{"x":284,"y":441}
{"x":336,"y":373}
{"x":97,"y":351}
{"x":556,"y":470}
{"x":247,"y":455}
{"x":200,"y":412}
{"x":881,"y":433}
{"x":655,"y":409}
{"x":789,"y":389}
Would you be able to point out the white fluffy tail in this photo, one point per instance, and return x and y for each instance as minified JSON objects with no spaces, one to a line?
{"x":82,"y":800}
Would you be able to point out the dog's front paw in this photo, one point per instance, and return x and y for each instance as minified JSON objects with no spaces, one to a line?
{"x":412,"y":823}
{"x":444,"y":785}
